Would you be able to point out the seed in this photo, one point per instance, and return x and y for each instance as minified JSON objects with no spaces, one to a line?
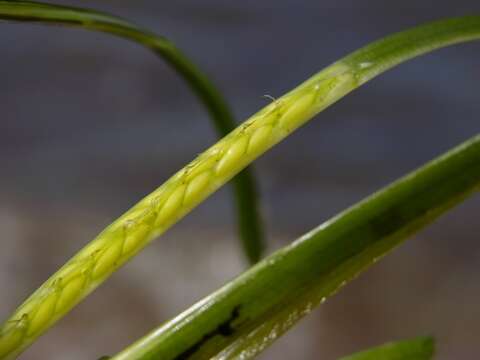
{"x":230,"y":160}
{"x":107,"y":259}
{"x":196,"y":186}
{"x":43,"y":315}
{"x":297,"y":113}
{"x":171,"y":205}
{"x":258,"y":141}
{"x":70,"y":292}
{"x":9,"y":341}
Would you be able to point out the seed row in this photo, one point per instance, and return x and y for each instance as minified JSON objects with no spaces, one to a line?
{"x":161,"y":209}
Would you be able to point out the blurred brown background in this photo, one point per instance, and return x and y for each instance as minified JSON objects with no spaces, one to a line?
{"x":90,"y":123}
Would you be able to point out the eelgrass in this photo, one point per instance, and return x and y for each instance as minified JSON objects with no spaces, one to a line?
{"x":415,"y":349}
{"x":187,"y":188}
{"x":242,"y":318}
{"x":245,"y":190}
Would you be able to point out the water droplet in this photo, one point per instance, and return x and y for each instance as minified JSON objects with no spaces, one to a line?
{"x":365,"y":65}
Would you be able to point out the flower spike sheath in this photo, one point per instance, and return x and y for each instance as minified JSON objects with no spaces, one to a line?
{"x":153,"y":215}
{"x":174,"y":199}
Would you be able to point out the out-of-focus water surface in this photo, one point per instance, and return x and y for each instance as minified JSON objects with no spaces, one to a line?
{"x":90,"y":123}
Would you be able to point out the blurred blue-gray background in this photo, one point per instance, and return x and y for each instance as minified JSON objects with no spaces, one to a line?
{"x":91,"y":123}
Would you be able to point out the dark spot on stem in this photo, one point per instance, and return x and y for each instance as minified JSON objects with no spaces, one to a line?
{"x":225,"y":329}
{"x":389,"y":222}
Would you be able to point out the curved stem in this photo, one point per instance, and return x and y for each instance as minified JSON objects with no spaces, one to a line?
{"x":156,"y":213}
{"x":422,"y":348}
{"x":245,"y":190}
{"x":265,"y":301}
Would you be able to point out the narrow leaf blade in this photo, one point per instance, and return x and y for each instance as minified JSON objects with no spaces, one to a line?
{"x":422,"y":348}
{"x":246,"y":315}
{"x":245,"y":190}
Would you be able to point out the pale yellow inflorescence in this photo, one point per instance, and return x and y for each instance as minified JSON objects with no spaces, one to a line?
{"x":161,"y":209}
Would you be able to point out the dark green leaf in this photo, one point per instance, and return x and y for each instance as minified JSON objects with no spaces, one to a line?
{"x":416,"y":349}
{"x":250,"y":312}
{"x":245,"y":190}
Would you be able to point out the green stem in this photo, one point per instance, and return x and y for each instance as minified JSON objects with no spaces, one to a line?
{"x":244,"y":187}
{"x":414,"y":349}
{"x":261,"y":304}
{"x":156,"y":213}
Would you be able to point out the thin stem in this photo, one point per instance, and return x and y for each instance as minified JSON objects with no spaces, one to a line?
{"x":422,"y":348}
{"x":245,"y":193}
{"x":262,"y":303}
